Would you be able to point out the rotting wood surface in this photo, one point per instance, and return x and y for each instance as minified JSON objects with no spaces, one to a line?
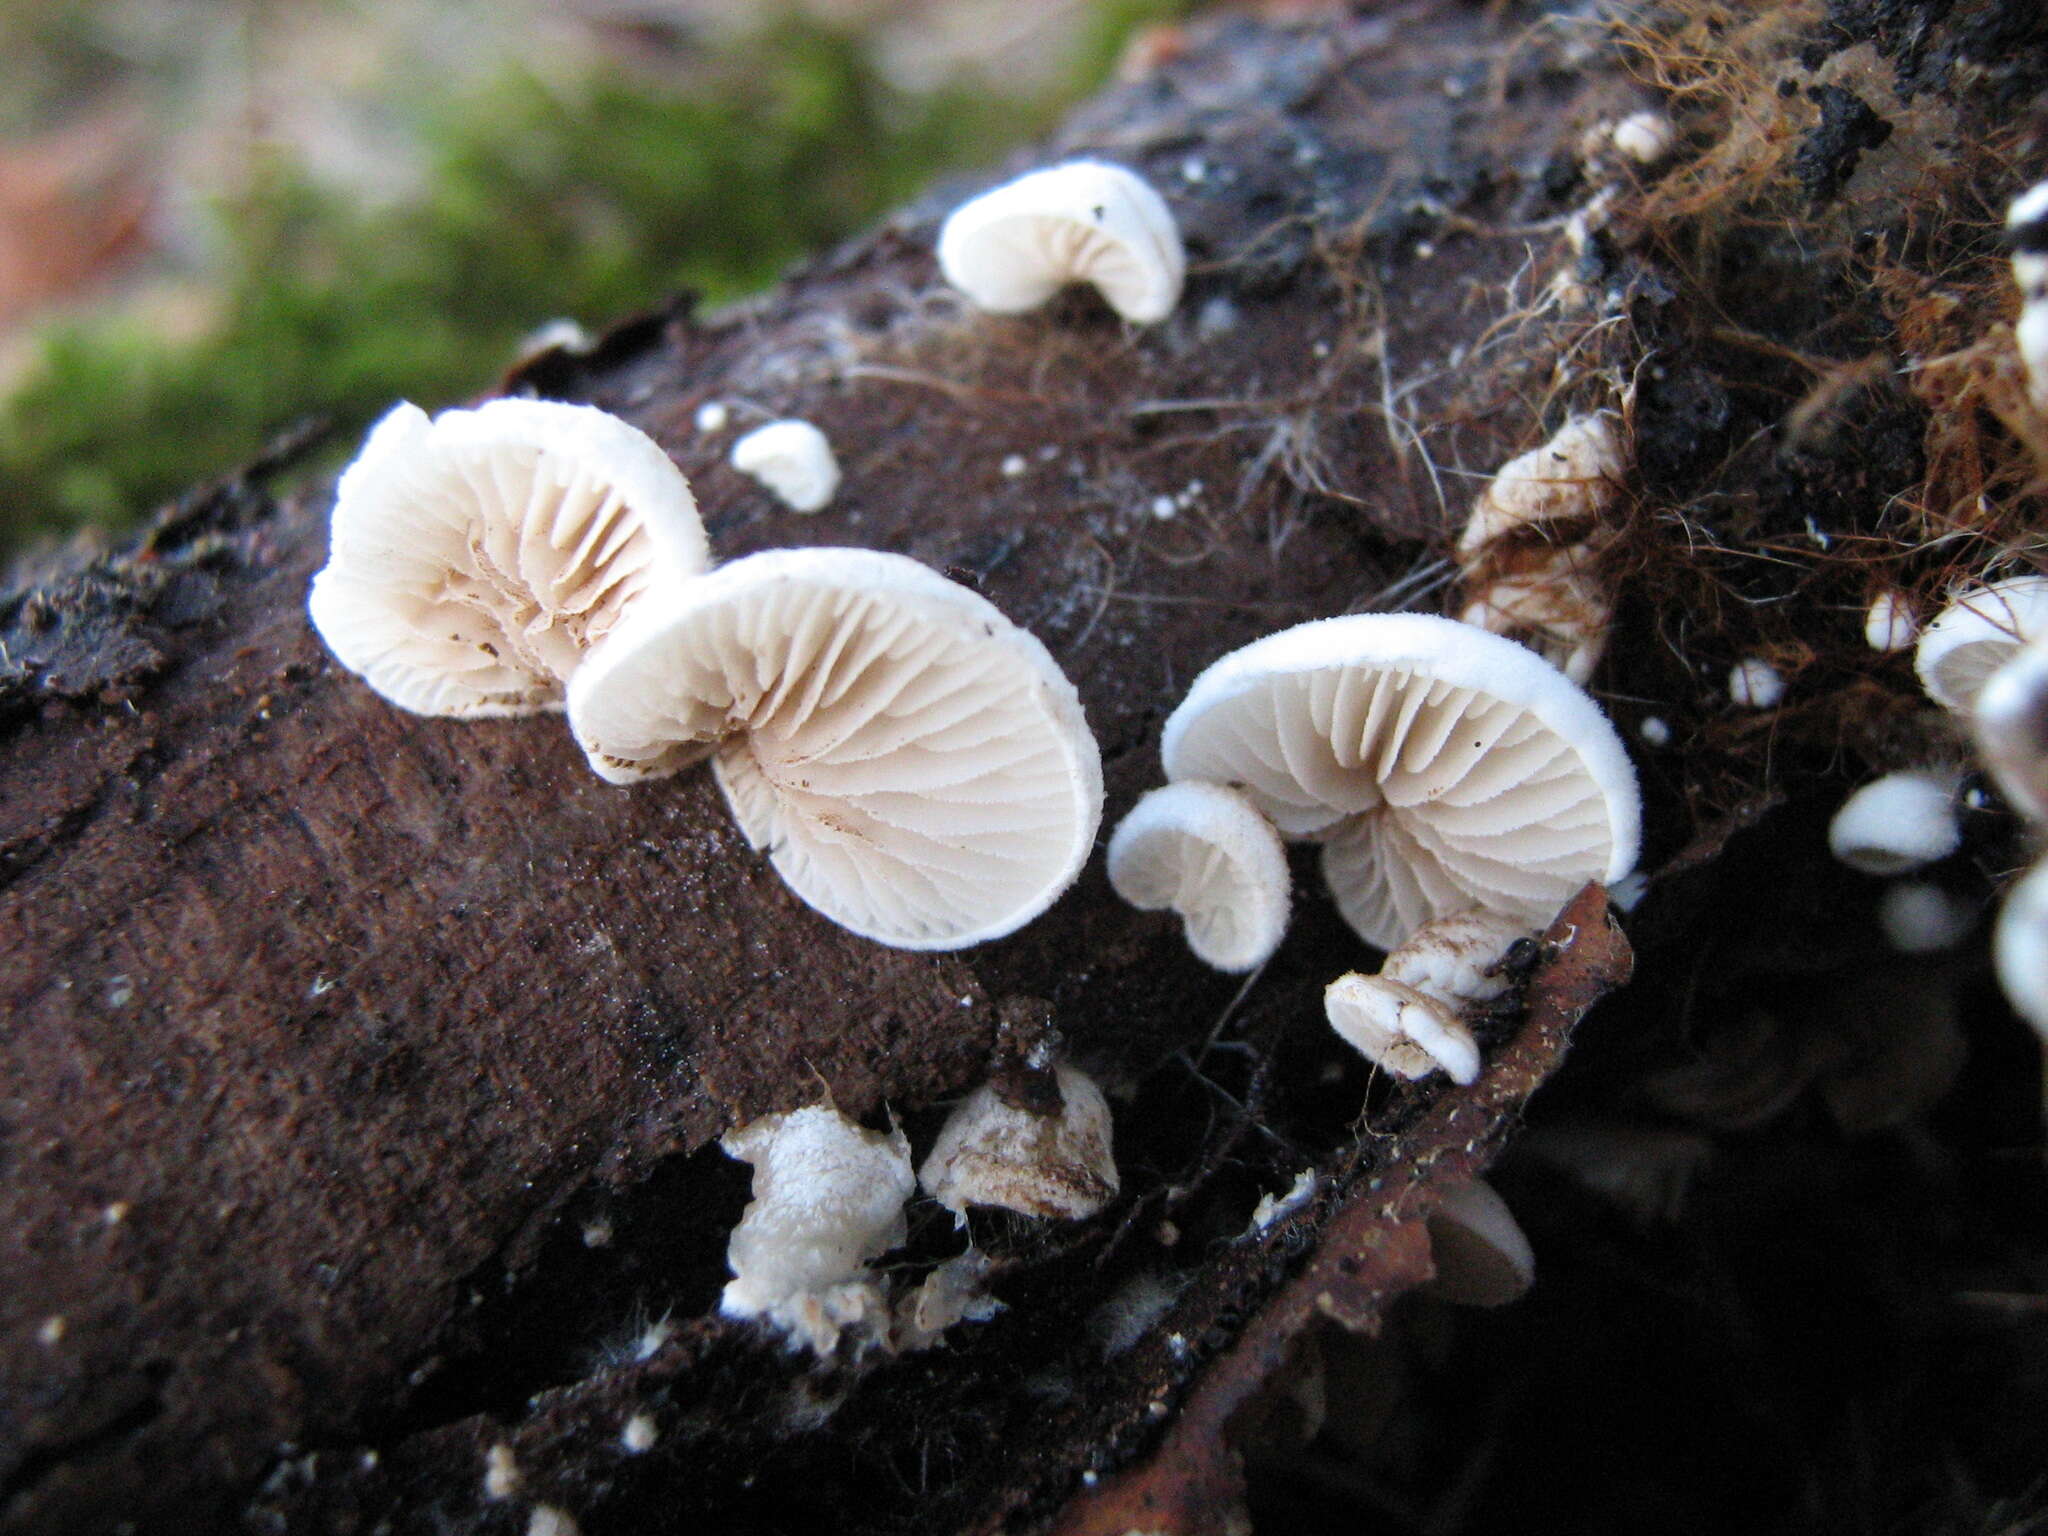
{"x":355,"y":1062}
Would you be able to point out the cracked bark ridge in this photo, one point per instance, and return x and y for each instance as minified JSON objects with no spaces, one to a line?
{"x":1371,"y":1247}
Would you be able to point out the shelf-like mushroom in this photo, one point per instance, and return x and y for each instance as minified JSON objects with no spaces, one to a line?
{"x":476,"y":557}
{"x":1407,"y":1018}
{"x":1977,"y":633}
{"x":1012,"y":248}
{"x":1442,"y":767}
{"x":917,"y":766}
{"x":1205,"y":852}
{"x":992,"y":1153}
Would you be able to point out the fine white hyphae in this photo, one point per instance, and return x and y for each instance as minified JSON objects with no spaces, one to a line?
{"x":480,"y":553}
{"x":1442,"y":767}
{"x":1207,"y":853}
{"x":1898,"y":823}
{"x":2010,"y":722}
{"x":2019,"y":948}
{"x":477,"y":556}
{"x":917,"y":767}
{"x":1406,"y":1018}
{"x":989,"y":1153}
{"x":2026,"y":224}
{"x":1013,"y":248}
{"x":1481,"y":1255}
{"x":793,"y":459}
{"x":1890,"y":624}
{"x":828,"y":1196}
{"x":1976,"y":634}
{"x":1574,"y":476}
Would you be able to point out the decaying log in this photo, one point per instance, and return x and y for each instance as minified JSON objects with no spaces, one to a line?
{"x":361,"y":1071}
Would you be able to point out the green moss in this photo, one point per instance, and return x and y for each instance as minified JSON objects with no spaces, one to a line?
{"x":537,"y":204}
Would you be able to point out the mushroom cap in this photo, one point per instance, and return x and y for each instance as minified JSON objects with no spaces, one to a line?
{"x":1976,"y":634}
{"x":916,"y":765}
{"x":1482,"y":1255}
{"x":1573,"y":475}
{"x":1394,"y":1026}
{"x":2010,"y":722}
{"x":1444,"y":767}
{"x":477,"y":556}
{"x":1451,"y":957}
{"x":1897,"y":823}
{"x":989,"y":1153}
{"x":1206,"y":852}
{"x":1014,"y":247}
{"x":2019,"y":948}
{"x":793,"y":459}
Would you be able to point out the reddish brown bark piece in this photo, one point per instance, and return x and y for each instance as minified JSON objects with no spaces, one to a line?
{"x":1371,"y":1249}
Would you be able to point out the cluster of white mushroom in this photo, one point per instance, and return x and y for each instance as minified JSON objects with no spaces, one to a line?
{"x":1460,"y":786}
{"x":1528,"y":552}
{"x":916,"y":766}
{"x":829,"y":1198}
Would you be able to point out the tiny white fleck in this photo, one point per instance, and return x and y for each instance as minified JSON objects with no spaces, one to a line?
{"x":547,"y":1520}
{"x":1164,"y":507}
{"x":1890,"y":624}
{"x":712,"y":416}
{"x":1090,"y":1478}
{"x":1321,"y":349}
{"x":597,"y":1233}
{"x":648,"y":1345}
{"x":1655,"y":730}
{"x":1194,"y":170}
{"x":120,"y":992}
{"x":638,"y":1434}
{"x":52,"y":1331}
{"x":116,"y":1213}
{"x":367,"y":1461}
{"x":1424,"y":249}
{"x":1013,"y":466}
{"x":321,"y":987}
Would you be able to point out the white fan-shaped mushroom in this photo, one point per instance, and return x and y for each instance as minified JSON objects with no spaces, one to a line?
{"x":1575,"y":475}
{"x":1207,"y":853}
{"x":477,"y":556}
{"x":1443,"y":767}
{"x":828,"y":1196}
{"x":1897,"y":823}
{"x":1406,"y":1018}
{"x":2010,"y":722}
{"x":916,"y":765}
{"x":1977,"y":633}
{"x":793,"y":459}
{"x":1400,"y":1029}
{"x":1012,"y":248}
{"x":1481,"y":1254}
{"x":989,"y":1153}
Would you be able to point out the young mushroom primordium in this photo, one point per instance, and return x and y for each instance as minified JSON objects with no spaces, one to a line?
{"x":917,"y":767}
{"x":1407,"y":1018}
{"x":1014,"y":247}
{"x":1440,"y":767}
{"x":476,"y":557}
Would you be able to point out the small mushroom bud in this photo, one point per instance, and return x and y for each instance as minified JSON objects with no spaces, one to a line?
{"x":1898,"y":823}
{"x":794,"y":460}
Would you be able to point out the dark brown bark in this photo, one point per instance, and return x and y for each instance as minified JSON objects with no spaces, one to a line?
{"x":332,"y":1031}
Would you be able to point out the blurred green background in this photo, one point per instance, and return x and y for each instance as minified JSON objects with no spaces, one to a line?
{"x":218,"y":218}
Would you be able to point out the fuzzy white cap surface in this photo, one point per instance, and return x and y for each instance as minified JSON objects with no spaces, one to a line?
{"x":828,"y":1196}
{"x":794,"y":460}
{"x":1014,"y":247}
{"x":1207,"y":853}
{"x":917,"y":767}
{"x":476,"y":557}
